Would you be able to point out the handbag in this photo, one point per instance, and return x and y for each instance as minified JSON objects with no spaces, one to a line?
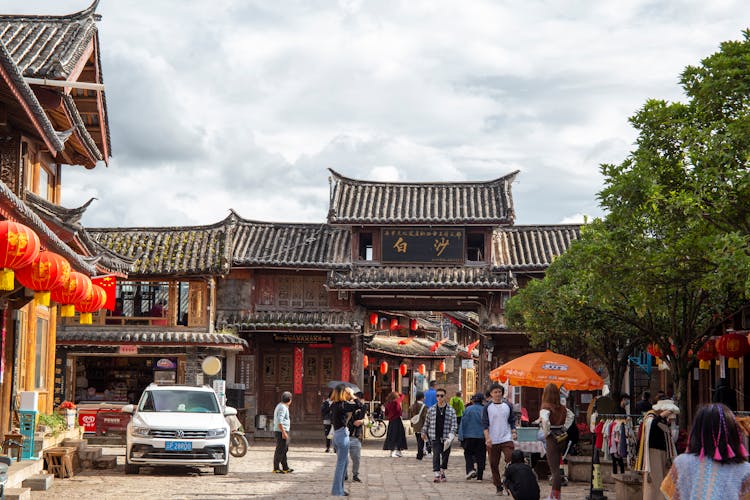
{"x":415,"y":419}
{"x":560,"y":434}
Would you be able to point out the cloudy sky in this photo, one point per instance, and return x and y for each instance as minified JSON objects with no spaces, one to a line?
{"x":245,"y":104}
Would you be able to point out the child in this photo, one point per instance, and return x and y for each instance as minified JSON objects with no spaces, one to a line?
{"x":520,"y":480}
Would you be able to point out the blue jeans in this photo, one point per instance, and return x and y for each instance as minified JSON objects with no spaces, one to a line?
{"x":355,"y":452}
{"x":341,"y":442}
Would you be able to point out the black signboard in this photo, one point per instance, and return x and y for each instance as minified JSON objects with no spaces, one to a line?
{"x":302,"y":338}
{"x":419,"y":245}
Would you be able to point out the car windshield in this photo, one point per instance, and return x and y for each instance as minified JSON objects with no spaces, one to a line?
{"x":179,"y":401}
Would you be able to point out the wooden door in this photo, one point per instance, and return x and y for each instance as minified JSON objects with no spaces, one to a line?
{"x":318,"y":371}
{"x":276,"y":374}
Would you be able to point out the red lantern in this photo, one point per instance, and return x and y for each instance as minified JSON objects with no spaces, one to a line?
{"x":19,"y":246}
{"x":47,"y":272}
{"x":373,"y":319}
{"x":422,"y":369}
{"x":383,"y":367}
{"x":365,"y":361}
{"x":403,"y":369}
{"x":472,"y":346}
{"x":732,"y":346}
{"x":654,"y":350}
{"x":441,"y":367}
{"x":394,"y":324}
{"x":706,"y":354}
{"x":413,"y":325}
{"x":75,"y":290}
{"x":96,"y":301}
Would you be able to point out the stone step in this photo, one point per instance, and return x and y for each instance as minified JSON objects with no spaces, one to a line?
{"x":39,"y":482}
{"x":76,"y":443}
{"x":18,"y":494}
{"x":90,"y":453}
{"x":105,"y":462}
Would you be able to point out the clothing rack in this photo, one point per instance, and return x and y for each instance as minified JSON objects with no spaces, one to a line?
{"x":635,"y":417}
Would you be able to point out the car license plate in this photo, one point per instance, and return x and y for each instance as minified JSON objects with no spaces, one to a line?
{"x":179,"y":446}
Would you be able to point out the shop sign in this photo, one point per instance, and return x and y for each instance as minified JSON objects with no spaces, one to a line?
{"x":127,"y":349}
{"x":407,"y":245}
{"x":467,"y":364}
{"x":299,"y":354}
{"x":346,"y":353}
{"x":301,"y":338}
{"x":165,"y":364}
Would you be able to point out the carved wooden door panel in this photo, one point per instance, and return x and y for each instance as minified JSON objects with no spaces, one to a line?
{"x":318,"y":371}
{"x":276,"y":370}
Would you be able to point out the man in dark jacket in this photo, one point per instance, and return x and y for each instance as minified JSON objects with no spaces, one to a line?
{"x":520,"y":479}
{"x":471,"y":436}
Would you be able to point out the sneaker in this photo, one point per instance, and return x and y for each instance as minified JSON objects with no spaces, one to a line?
{"x":288,"y":471}
{"x":471,"y":475}
{"x":499,"y":491}
{"x":328,"y":450}
{"x":436,"y":480}
{"x":398,"y":454}
{"x":393,"y":454}
{"x":356,"y":479}
{"x":278,"y":471}
{"x":442,"y":477}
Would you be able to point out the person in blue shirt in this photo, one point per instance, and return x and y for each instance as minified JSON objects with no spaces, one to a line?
{"x":281,"y":426}
{"x":430,"y":398}
{"x":471,"y":436}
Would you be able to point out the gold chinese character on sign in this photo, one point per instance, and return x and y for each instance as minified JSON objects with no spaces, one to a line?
{"x":400,"y":245}
{"x":440,"y":245}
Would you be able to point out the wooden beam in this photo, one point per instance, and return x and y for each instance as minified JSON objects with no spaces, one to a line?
{"x":87,"y":105}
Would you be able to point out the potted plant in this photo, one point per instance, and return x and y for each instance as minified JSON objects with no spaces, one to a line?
{"x":68,"y":410}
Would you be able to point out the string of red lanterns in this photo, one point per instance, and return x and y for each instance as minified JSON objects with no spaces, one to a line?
{"x":733,"y":346}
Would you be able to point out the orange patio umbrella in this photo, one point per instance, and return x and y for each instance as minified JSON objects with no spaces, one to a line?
{"x":538,"y":369}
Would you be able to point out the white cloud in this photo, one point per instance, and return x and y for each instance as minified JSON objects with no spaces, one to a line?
{"x":245,"y":104}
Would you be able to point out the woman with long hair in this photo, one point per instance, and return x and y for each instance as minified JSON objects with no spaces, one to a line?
{"x":395,"y":438}
{"x":554,"y":419}
{"x":341,"y":411}
{"x":714,"y":465}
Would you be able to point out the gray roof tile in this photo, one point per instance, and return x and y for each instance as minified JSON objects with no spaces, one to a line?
{"x":418,"y":277}
{"x":95,"y":334}
{"x":531,"y":247}
{"x":417,"y":348}
{"x":468,"y":203}
{"x":269,"y":321}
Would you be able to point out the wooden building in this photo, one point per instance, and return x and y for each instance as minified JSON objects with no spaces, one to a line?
{"x":52,"y":113}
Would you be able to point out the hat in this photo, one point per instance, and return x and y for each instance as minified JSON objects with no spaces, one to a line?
{"x":478,"y":397}
{"x":666,"y":405}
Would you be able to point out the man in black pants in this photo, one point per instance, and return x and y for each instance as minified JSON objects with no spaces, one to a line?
{"x":281,"y":426}
{"x":440,"y":428}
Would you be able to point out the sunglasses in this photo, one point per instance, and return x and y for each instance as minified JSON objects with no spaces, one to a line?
{"x":440,"y":395}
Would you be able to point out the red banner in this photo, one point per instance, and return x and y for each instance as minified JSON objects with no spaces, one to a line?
{"x":346,"y":353}
{"x":298,"y":372}
{"x":109,"y":284}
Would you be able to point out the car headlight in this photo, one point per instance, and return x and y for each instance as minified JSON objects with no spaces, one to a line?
{"x":216,"y":433}
{"x":140,"y":431}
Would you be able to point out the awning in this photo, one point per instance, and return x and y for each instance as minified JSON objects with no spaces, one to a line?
{"x":104,"y":337}
{"x":416,"y":348}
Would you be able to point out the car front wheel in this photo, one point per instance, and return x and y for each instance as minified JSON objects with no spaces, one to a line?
{"x":221,"y":470}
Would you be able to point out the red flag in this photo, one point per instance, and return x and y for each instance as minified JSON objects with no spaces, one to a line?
{"x":109,"y":284}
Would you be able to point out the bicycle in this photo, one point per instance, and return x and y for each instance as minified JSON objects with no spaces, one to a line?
{"x":377,"y":425}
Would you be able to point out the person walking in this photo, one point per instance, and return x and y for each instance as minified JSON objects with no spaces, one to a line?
{"x":554,"y":419}
{"x":499,"y":424}
{"x":418,"y":410}
{"x":715,"y":465}
{"x":429,"y":396}
{"x":457,"y":403}
{"x":656,"y":448}
{"x":281,"y":427}
{"x":395,"y":438}
{"x":342,"y":409}
{"x":325,"y":414}
{"x":355,"y":435}
{"x":440,"y":428}
{"x":471,"y":436}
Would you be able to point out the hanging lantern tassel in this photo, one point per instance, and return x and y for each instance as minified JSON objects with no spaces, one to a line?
{"x":704,"y":364}
{"x":6,"y":279}
{"x":67,"y":310}
{"x":733,"y":363}
{"x":86,"y":319}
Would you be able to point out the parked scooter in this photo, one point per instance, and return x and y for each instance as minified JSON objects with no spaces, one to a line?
{"x":238,"y":443}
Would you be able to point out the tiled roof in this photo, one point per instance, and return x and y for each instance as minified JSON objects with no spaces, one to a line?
{"x":69,"y":218}
{"x":416,"y":348}
{"x":188,"y":250}
{"x":531,"y":247}
{"x":99,"y":335}
{"x":269,"y":321}
{"x":49,"y":239}
{"x":468,"y":203}
{"x":281,"y":245}
{"x":29,"y":102}
{"x":418,"y":277}
{"x":48,"y":46}
{"x":86,"y":140}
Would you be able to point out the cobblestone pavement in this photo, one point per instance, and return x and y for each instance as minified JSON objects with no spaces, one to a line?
{"x":251,"y":477}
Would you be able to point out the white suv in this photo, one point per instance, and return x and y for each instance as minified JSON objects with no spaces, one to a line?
{"x":178,"y":425}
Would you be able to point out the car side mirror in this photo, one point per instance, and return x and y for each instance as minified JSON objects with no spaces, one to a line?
{"x":229,"y":411}
{"x":128,"y":409}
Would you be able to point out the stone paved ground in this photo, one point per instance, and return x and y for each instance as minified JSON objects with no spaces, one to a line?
{"x":251,"y":477}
